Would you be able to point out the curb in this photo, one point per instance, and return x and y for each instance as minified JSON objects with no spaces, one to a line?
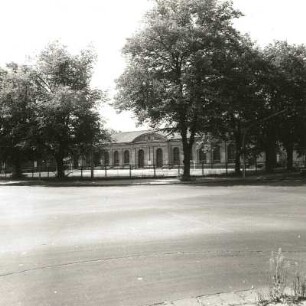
{"x":236,"y":298}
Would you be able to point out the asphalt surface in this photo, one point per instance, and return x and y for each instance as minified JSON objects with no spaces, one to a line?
{"x":140,"y":245}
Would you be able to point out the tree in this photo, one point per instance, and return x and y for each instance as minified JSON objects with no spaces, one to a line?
{"x":170,"y":77}
{"x":68,"y":120}
{"x":17,"y":115}
{"x":239,"y":94}
{"x":288,"y":93}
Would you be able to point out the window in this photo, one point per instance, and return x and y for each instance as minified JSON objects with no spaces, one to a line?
{"x":231,"y":153}
{"x":159,"y":158}
{"x":116,"y":158}
{"x":216,"y":154}
{"x":97,"y":158}
{"x":202,"y":156}
{"x":126,"y":157}
{"x":141,"y":159}
{"x":106,"y":158}
{"x":176,"y":156}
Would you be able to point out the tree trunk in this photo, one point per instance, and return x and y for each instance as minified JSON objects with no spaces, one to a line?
{"x":238,"y":145}
{"x":17,"y":171}
{"x":270,"y":158}
{"x":289,"y":152}
{"x":270,"y":149}
{"x":186,"y":161}
{"x":237,"y":163}
{"x":187,"y":149}
{"x":238,"y":153}
{"x":75,"y":161}
{"x":60,"y":166}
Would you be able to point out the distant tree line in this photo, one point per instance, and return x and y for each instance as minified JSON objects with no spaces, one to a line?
{"x":48,"y":109}
{"x":190,"y":71}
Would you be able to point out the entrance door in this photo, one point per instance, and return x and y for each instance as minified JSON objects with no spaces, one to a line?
{"x":159,"y":158}
{"x":140,"y":159}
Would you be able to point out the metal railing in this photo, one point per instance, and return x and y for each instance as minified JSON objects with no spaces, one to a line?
{"x":129,"y":171}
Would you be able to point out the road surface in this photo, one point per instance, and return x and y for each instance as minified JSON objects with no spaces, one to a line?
{"x":140,"y":245}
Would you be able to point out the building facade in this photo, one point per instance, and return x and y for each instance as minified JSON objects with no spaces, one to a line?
{"x":147,"y":148}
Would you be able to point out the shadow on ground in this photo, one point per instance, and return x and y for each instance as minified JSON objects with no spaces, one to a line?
{"x":277,"y":179}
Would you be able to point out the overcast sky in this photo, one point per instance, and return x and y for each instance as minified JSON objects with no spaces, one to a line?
{"x":28,"y":25}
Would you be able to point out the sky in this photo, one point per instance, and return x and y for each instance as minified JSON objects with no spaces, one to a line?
{"x":27,"y":26}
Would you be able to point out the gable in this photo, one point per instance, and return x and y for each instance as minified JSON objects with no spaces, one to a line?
{"x":150,"y":137}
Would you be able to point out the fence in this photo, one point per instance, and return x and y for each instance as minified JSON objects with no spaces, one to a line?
{"x":133,"y":171}
{"x":128,"y":171}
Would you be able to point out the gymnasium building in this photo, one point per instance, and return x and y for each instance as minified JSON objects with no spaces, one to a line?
{"x":154,"y":148}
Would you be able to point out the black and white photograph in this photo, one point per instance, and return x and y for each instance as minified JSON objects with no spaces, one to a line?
{"x":153,"y":153}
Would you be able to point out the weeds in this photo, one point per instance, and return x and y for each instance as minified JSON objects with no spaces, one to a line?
{"x":299,"y":287}
{"x":280,"y":291}
{"x":278,"y":276}
{"x":262,"y":300}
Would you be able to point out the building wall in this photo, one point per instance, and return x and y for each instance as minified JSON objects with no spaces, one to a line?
{"x":150,"y":142}
{"x":150,"y":148}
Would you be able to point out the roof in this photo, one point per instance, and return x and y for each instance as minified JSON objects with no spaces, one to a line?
{"x":125,"y":137}
{"x":128,"y":136}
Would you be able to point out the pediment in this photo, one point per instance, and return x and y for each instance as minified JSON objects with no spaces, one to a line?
{"x":150,"y":137}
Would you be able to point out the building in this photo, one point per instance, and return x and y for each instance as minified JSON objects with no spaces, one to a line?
{"x":149,"y":148}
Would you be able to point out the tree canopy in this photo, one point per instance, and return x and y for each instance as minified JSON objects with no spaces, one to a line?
{"x":190,"y":71}
{"x":171,"y":76}
{"x":18,"y":124}
{"x":50,"y":108}
{"x":67,"y":115}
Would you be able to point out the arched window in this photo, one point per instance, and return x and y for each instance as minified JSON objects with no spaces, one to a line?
{"x":159,"y":158}
{"x":140,"y":158}
{"x":97,"y":158}
{"x":176,"y":156}
{"x":106,"y":158}
{"x":216,"y":154}
{"x":202,"y":156}
{"x":231,"y":153}
{"x":116,"y":158}
{"x":126,"y":157}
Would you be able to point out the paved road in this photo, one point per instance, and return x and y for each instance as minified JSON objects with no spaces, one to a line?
{"x":139,"y":245}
